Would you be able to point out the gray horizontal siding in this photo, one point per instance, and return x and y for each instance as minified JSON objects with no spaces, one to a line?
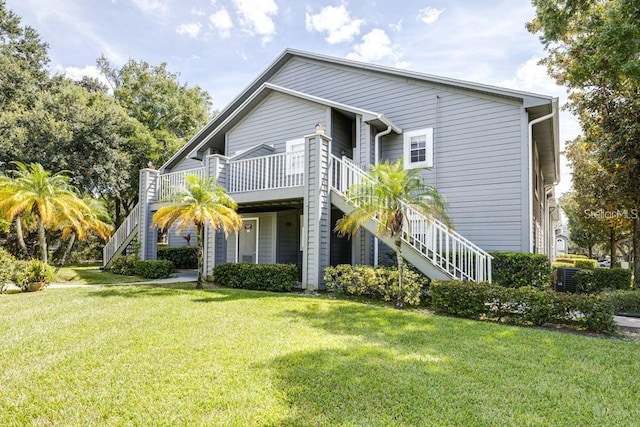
{"x":477,"y":141}
{"x":277,"y":119}
{"x":186,"y":164}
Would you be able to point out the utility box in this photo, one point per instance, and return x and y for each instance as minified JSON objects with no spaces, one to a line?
{"x":564,"y":279}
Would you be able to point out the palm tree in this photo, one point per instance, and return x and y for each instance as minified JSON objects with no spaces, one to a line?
{"x":386,"y":194}
{"x":200,"y":203}
{"x":94,"y":219}
{"x":32,"y":191}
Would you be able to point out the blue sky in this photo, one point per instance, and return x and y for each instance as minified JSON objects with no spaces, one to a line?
{"x":222,"y":45}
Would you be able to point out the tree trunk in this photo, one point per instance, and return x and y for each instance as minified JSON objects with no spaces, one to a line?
{"x":118,"y":213}
{"x":636,"y":252}
{"x":42,"y":241}
{"x":613,"y":249}
{"x":20,"y":235}
{"x":67,"y":252}
{"x":200,"y":233}
{"x":400,"y":261}
{"x":590,"y":251}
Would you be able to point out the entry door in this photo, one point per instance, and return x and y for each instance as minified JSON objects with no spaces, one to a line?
{"x":248,"y":241}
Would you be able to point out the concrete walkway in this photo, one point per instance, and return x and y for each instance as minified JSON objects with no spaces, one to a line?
{"x":181,"y":276}
{"x":627,"y":322}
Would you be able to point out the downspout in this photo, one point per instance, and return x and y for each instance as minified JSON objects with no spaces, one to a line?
{"x":530,"y":178}
{"x":376,"y":159}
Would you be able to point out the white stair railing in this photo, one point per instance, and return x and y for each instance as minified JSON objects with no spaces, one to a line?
{"x":451,"y":252}
{"x":122,"y":236}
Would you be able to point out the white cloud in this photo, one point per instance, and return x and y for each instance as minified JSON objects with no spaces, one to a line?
{"x":335,"y":22}
{"x":533,"y":77}
{"x":221,"y":21}
{"x":197,"y":12}
{"x":75,"y":73}
{"x":376,"y":47}
{"x":256,"y":17}
{"x":191,"y":29}
{"x":152,"y":6}
{"x":429,"y":15}
{"x":397,"y":26}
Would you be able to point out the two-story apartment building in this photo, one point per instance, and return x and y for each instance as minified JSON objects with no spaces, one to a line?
{"x":289,"y":145}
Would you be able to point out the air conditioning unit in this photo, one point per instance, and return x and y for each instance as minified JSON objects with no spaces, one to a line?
{"x":565,"y":280}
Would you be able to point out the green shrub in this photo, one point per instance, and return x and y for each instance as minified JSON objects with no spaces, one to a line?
{"x":261,"y":277}
{"x":517,"y":269}
{"x":586,"y":264}
{"x":181,"y":257}
{"x":625,"y":301}
{"x":153,"y":268}
{"x":7,"y":265}
{"x":575,"y":256}
{"x":559,"y":264}
{"x":124,"y":265}
{"x":32,"y":275}
{"x":600,"y":279}
{"x":565,"y":260}
{"x":524,"y":306}
{"x":375,"y":282}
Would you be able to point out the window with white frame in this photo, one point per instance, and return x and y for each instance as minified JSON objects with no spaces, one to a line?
{"x":418,"y":148}
{"x":295,"y":161}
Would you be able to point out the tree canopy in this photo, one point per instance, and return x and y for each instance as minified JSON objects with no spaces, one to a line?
{"x":594,"y":50}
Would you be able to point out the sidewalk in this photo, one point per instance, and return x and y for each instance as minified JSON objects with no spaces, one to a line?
{"x":627,"y":322}
{"x":181,"y":276}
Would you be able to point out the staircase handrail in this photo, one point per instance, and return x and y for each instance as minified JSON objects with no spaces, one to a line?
{"x":120,"y":236}
{"x":450,"y":251}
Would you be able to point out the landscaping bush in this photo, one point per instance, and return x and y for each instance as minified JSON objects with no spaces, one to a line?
{"x":574,"y":256}
{"x":33,"y":275}
{"x":375,"y":282}
{"x":625,"y":301}
{"x":566,"y":260}
{"x":586,"y":264}
{"x":517,"y":269}
{"x":7,"y":265}
{"x":153,"y":268}
{"x":559,"y":264}
{"x":181,"y":257}
{"x":525,"y":305}
{"x":261,"y":277}
{"x":124,"y":265}
{"x":600,"y":279}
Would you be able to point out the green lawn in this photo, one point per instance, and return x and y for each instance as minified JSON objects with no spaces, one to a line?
{"x":141,"y":355}
{"x":90,"y":274}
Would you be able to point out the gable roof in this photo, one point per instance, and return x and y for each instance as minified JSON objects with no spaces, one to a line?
{"x":260,"y":84}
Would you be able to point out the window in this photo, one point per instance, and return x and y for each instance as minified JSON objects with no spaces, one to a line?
{"x":295,"y":162}
{"x":418,"y":148}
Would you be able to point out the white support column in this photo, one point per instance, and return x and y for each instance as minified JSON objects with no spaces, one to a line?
{"x":214,"y":168}
{"x":147,"y":234}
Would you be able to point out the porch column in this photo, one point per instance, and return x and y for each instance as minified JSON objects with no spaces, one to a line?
{"x":214,"y":168}
{"x":147,"y":234}
{"x":317,"y":211}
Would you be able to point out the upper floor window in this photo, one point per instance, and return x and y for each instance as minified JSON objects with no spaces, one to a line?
{"x":418,"y":148}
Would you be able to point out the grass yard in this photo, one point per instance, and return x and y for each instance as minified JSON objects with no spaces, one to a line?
{"x":141,"y":355}
{"x":90,"y":274}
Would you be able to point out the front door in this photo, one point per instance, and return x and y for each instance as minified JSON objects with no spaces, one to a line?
{"x":248,"y":241}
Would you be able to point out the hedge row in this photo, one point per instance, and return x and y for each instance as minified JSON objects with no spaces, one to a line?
{"x":577,"y":261}
{"x":375,"y":282}
{"x":130,"y":265}
{"x":517,"y":269}
{"x":524,"y":306}
{"x":181,"y":257}
{"x":261,"y":277}
{"x":600,"y":279}
{"x":625,"y":301}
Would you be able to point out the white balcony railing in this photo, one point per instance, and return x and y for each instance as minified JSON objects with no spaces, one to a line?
{"x":169,"y":182}
{"x":122,"y":235}
{"x":271,"y":172}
